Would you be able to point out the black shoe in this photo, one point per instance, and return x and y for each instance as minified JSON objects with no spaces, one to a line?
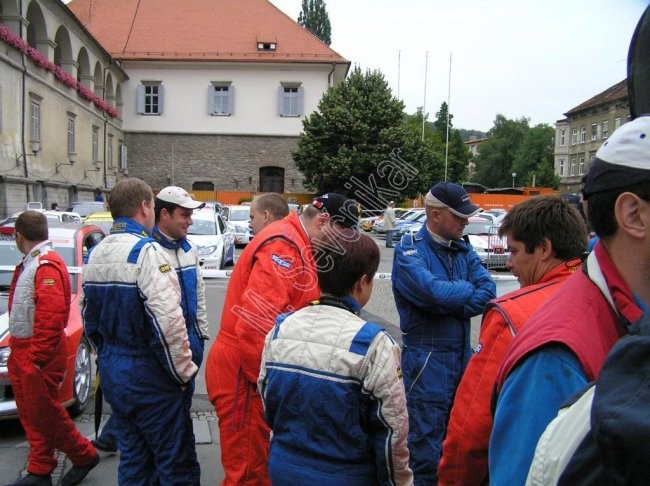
{"x":76,"y":473}
{"x":104,"y":445}
{"x":34,"y":479}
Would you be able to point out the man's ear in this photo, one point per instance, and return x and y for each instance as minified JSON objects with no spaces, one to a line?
{"x":631,"y":214}
{"x":548,"y":251}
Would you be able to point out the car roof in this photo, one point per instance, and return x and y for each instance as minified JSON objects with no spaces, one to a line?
{"x":99,"y":216}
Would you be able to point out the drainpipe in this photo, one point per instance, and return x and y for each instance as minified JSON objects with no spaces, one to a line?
{"x":330,"y":81}
{"x":24,"y":99}
{"x":110,"y":63}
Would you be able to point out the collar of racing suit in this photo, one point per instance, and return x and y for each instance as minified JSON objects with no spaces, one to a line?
{"x":165,"y":242}
{"x":346,"y":302}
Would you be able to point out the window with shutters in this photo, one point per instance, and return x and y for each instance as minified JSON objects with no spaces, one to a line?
{"x":71,"y":132}
{"x":150,"y":98}
{"x":290,"y":99}
{"x":220,"y":98}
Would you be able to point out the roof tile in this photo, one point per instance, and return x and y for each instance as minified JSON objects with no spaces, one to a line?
{"x":616,"y":92}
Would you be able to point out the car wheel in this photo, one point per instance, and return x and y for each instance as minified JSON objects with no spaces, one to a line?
{"x":82,"y":378}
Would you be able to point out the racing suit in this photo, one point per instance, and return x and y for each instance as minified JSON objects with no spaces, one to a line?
{"x":465,"y":448}
{"x":274,"y":274}
{"x":334,"y":398}
{"x":39,"y":306}
{"x":438,"y":287}
{"x":132,"y":314}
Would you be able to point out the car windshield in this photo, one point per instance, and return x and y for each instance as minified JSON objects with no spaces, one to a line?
{"x":239,"y":214}
{"x":479,"y":229}
{"x":203,"y":227}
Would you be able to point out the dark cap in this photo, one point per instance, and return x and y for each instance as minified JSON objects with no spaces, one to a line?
{"x":453,"y":197}
{"x":342,"y":210}
{"x":623,"y":160}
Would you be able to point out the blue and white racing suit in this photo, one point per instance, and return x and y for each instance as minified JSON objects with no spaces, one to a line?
{"x":334,"y":398}
{"x":132,"y":314}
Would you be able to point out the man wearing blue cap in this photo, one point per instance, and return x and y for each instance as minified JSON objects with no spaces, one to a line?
{"x":439,"y":284}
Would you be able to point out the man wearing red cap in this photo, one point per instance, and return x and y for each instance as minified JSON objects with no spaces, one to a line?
{"x":275,"y":273}
{"x":439,"y":284}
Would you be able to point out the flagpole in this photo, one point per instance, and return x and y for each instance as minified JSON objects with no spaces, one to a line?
{"x":448,"y":110}
{"x":424,"y":103}
{"x":399,"y":71}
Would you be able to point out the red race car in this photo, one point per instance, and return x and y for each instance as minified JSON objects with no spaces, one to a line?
{"x":72,"y":242}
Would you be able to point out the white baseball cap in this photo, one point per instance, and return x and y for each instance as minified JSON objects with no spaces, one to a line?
{"x":180,"y":197}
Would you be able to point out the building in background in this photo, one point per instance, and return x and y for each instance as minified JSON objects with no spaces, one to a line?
{"x":473,"y":145}
{"x":582,"y":132}
{"x":217,"y":89}
{"x":60,"y":108}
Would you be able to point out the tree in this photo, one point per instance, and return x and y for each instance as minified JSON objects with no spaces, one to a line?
{"x":440,"y":125}
{"x":356,"y":143}
{"x":315,"y":19}
{"x":534,"y":159}
{"x":494,"y":162}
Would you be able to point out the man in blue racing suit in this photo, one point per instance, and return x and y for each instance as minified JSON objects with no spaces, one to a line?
{"x":439,"y":284}
{"x":133,"y":316}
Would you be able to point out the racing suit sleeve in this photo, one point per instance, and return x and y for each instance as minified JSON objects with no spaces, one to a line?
{"x":271,"y":290}
{"x":484,"y":287}
{"x":51,"y":311}
{"x":201,"y":310}
{"x":417,"y":284}
{"x":465,"y":448}
{"x":388,"y":416}
{"x":158,"y":284}
{"x":530,"y":398}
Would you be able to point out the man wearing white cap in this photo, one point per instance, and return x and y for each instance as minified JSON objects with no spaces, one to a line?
{"x":564,"y":344}
{"x":439,"y":284}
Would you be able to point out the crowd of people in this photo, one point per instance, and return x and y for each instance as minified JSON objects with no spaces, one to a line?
{"x":308,"y":392}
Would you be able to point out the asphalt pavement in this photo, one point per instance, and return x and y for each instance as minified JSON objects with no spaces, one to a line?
{"x":14,"y":447}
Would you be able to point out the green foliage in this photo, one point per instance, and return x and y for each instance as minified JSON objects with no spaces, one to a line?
{"x":440,"y":125}
{"x":315,"y":19}
{"x":467,"y":134}
{"x":533,"y":161}
{"x":497,"y":153}
{"x":357,"y":143}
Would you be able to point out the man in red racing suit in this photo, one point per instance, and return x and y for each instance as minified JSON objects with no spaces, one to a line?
{"x":276,"y":273}
{"x":39,"y":305}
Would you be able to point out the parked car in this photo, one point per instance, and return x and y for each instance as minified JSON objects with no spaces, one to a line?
{"x":84,"y":208}
{"x":103,"y":219}
{"x":63,"y":216}
{"x":72,"y":241}
{"x":402,"y":216}
{"x":238,"y":220}
{"x":489,"y":246}
{"x":213,"y":240}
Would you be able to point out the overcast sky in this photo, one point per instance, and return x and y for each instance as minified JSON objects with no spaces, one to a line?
{"x":536,"y":59}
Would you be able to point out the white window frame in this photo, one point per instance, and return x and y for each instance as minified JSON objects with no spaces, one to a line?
{"x":109,"y":151}
{"x":605,"y":128}
{"x":290,"y":99}
{"x":561,"y":167}
{"x":594,"y":132}
{"x":572,"y":170}
{"x":35,"y":120}
{"x":574,"y":136}
{"x":617,"y":123}
{"x":583,"y":134}
{"x":123,"y":157}
{"x":95,"y":144}
{"x":150,"y":98}
{"x":581,"y":168}
{"x":71,"y":133}
{"x":221,"y":98}
{"x":562,"y":137}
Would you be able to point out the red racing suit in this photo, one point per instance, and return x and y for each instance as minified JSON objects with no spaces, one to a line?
{"x":465,"y":448}
{"x":39,"y":305}
{"x":276,"y":273}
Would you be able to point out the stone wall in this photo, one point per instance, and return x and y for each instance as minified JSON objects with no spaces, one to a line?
{"x":230,"y":162}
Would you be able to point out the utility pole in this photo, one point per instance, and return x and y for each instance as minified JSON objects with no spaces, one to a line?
{"x":424,"y":104}
{"x":448,"y":110}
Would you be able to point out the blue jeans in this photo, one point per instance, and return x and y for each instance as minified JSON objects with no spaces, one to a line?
{"x":389,"y":238}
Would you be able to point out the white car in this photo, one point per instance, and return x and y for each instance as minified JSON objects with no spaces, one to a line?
{"x":489,"y":246}
{"x":239,"y":218}
{"x":63,"y":216}
{"x":213,"y":240}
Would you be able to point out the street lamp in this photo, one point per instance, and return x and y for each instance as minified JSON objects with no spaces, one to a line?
{"x":514,"y":174}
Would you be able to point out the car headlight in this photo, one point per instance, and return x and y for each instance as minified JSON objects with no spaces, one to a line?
{"x":206,"y":250}
{"x":4,"y":355}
